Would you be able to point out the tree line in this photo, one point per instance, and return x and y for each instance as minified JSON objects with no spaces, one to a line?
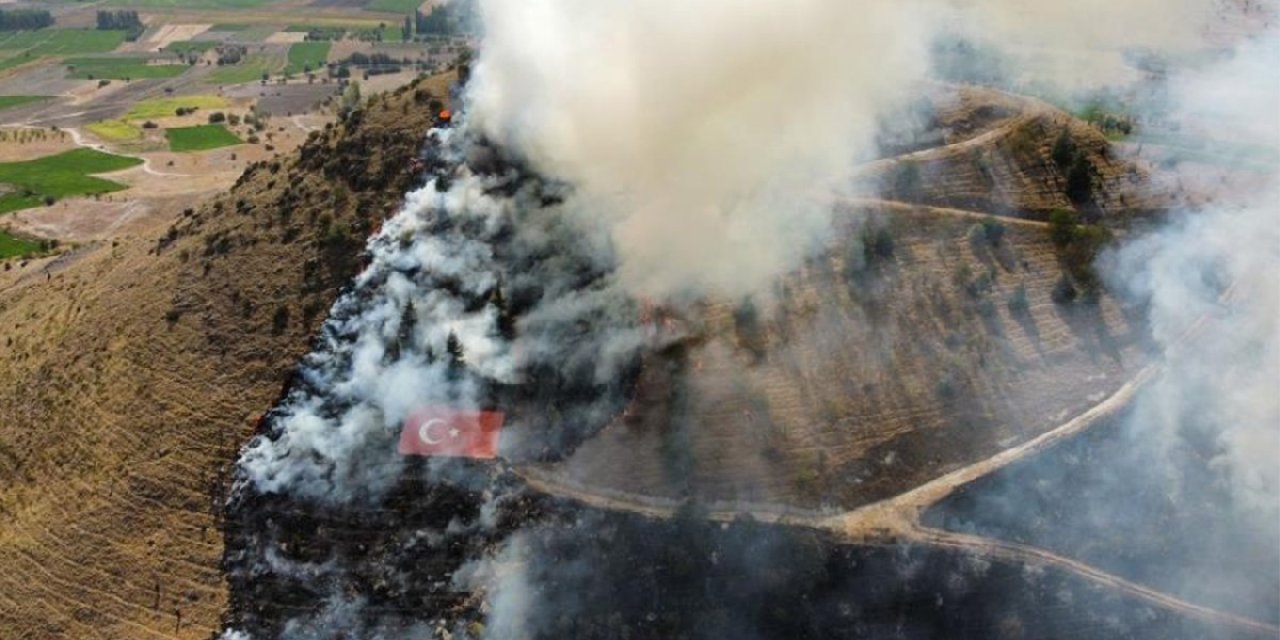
{"x":121,"y":20}
{"x":24,"y":19}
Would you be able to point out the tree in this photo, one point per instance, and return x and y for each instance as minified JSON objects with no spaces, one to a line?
{"x":1062,"y":227}
{"x":1080,"y":181}
{"x":1064,"y":150}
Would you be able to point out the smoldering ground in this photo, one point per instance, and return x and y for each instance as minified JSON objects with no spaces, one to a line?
{"x":1183,"y":493}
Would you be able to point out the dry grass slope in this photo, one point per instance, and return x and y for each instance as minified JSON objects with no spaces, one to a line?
{"x":129,"y":375}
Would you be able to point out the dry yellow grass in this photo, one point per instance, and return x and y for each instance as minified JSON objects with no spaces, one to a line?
{"x":128,"y":379}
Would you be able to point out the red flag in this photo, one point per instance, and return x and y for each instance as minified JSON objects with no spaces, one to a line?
{"x":441,"y":431}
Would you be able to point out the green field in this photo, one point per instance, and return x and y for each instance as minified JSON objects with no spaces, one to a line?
{"x":15,"y":201}
{"x":191,"y":46}
{"x":121,"y":69}
{"x":228,"y":27}
{"x":249,"y":70}
{"x":200,"y":138}
{"x":28,"y":46}
{"x":11,"y":246}
{"x":164,"y":107}
{"x":190,"y":4}
{"x":58,"y":176}
{"x":394,"y":6}
{"x":14,"y":101}
{"x":307,"y":55}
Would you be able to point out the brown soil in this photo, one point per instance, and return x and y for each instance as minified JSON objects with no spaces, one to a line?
{"x":131,"y":371}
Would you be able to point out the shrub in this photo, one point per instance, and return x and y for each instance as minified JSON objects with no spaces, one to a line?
{"x":217,"y":117}
{"x":1062,"y":227}
{"x":1063,"y":291}
{"x":1018,"y":304}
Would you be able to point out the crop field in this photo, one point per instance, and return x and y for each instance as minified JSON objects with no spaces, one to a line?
{"x":15,"y":201}
{"x":191,"y":46}
{"x":121,"y":69}
{"x":163,"y":107}
{"x":115,"y":130}
{"x":307,"y":56}
{"x":249,"y":70}
{"x":190,"y":4}
{"x":61,"y":175}
{"x":200,"y":138}
{"x":29,"y":46}
{"x":15,"y":101}
{"x":395,"y":6}
{"x":11,"y":246}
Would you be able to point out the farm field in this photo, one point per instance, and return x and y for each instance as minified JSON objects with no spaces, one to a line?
{"x":307,"y":56}
{"x":191,"y":46}
{"x":395,"y":6}
{"x":121,"y":69}
{"x":200,"y":138}
{"x":61,"y":175}
{"x":163,"y":107}
{"x":31,"y":46}
{"x":115,"y":130}
{"x":249,"y":70}
{"x":15,"y":101}
{"x":190,"y":4}
{"x":11,"y":246}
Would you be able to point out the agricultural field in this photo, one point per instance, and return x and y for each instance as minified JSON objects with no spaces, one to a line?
{"x":395,"y":6}
{"x":191,"y":46}
{"x":165,"y":107}
{"x":121,"y":69}
{"x":11,"y":246}
{"x":190,"y":4}
{"x":307,"y":56}
{"x":15,"y":101}
{"x":66,"y":174}
{"x":30,"y":46}
{"x":200,"y":138}
{"x":115,"y":130}
{"x":249,"y":70}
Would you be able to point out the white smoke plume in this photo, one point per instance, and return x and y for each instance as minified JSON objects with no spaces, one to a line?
{"x":710,"y":137}
{"x":1210,"y":280}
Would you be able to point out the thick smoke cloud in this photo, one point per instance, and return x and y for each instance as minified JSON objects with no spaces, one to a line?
{"x":709,"y":137}
{"x":1209,"y":281}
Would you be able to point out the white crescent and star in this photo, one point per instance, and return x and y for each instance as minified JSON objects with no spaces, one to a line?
{"x":425,"y":433}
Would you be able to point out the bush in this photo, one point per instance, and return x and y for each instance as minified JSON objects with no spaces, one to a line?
{"x":993,"y":230}
{"x":1062,"y":227}
{"x":1063,"y":291}
{"x":1018,"y":304}
{"x":217,"y":117}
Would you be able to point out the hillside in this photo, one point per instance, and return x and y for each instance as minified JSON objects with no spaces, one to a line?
{"x":1016,"y":156}
{"x":132,"y":371}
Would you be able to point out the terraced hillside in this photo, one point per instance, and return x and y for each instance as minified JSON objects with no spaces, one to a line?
{"x":130,"y":373}
{"x":867,"y":373}
{"x":1013,"y":155}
